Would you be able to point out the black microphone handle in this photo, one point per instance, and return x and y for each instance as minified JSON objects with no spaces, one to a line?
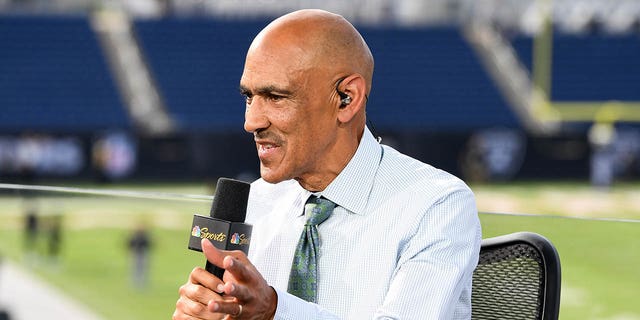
{"x":218,"y":272}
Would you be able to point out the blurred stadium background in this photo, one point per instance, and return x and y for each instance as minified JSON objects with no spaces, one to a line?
{"x":489,"y":90}
{"x":535,"y":103}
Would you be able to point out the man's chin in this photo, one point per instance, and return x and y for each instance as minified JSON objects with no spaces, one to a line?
{"x":270,"y":176}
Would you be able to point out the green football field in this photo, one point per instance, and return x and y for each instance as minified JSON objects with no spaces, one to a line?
{"x":600,"y":258}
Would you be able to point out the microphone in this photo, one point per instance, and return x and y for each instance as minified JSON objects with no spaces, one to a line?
{"x":225,"y":226}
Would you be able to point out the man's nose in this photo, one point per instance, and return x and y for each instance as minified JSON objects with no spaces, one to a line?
{"x":255,"y":119}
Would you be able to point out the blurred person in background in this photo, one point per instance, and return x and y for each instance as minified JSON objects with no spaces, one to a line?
{"x":343,"y":227}
{"x":139,"y":246}
{"x":602,"y":136}
{"x":54,"y":228}
{"x":31,"y":228}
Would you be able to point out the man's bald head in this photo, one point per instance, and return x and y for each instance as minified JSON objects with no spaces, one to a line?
{"x":321,"y":40}
{"x":298,"y":74}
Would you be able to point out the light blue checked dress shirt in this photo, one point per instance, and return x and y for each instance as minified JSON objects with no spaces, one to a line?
{"x":402,"y":242}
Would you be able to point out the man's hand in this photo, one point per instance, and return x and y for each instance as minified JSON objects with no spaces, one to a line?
{"x":244,"y":294}
{"x":200,"y":291}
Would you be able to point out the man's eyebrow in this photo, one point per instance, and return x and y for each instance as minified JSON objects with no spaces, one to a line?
{"x":270,"y":89}
{"x":244,"y":90}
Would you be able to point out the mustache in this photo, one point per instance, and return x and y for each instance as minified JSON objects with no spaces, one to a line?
{"x":269,"y":136}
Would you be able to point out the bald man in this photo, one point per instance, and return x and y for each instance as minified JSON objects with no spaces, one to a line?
{"x":403,"y":239}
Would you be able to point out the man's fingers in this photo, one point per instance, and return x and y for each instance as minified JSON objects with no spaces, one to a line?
{"x":188,"y":309}
{"x":239,"y":291}
{"x":229,"y":260}
{"x":237,"y":268}
{"x":203,"y":277}
{"x":230,"y":307}
{"x":197,"y":293}
{"x":191,"y":308}
{"x":213,"y":254}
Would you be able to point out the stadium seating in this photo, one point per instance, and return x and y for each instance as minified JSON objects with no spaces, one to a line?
{"x":590,"y":67}
{"x":430,"y":79}
{"x":197,"y":64}
{"x":54,"y":77}
{"x":425,"y":79}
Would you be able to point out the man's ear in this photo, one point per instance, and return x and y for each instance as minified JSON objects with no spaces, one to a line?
{"x":352,"y":91}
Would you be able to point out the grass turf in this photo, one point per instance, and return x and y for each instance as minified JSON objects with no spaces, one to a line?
{"x":599,"y":259}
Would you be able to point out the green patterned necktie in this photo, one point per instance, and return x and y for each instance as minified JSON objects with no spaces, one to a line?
{"x":303,"y":280}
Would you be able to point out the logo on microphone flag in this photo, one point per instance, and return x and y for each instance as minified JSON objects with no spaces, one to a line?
{"x":235,"y":238}
{"x":222,"y":234}
{"x":196,"y":231}
{"x":239,"y":239}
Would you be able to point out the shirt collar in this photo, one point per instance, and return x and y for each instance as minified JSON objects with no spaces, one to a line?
{"x":351,"y":188}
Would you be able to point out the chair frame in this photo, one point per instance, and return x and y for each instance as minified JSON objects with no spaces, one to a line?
{"x":550,"y":261}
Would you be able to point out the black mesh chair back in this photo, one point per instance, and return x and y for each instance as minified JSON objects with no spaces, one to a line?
{"x":518,"y":277}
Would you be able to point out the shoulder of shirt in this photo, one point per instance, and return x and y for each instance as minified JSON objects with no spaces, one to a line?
{"x":406,"y":174}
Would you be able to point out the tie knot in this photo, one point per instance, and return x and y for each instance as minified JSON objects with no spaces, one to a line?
{"x":317,"y":210}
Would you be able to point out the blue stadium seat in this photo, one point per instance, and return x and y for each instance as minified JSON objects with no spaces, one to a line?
{"x":426,"y":79}
{"x":593,"y":67}
{"x":197,"y":64}
{"x":430,"y":79}
{"x":54,"y":77}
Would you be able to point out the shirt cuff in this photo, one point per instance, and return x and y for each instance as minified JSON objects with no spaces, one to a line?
{"x":291,"y":307}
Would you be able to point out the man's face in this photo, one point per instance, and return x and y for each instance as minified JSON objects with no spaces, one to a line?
{"x":289,"y":111}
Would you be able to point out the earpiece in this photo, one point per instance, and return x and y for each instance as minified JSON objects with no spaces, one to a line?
{"x":345,"y":99}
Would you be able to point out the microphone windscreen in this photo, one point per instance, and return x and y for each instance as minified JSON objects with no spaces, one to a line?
{"x":230,"y":200}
